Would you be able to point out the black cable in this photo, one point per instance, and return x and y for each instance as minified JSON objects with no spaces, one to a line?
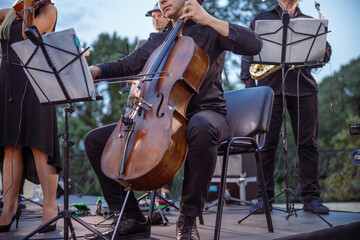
{"x":21,"y":106}
{"x":17,"y":140}
{"x":297,"y":127}
{"x":282,"y":86}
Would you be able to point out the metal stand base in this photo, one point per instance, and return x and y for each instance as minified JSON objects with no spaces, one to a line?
{"x":21,"y":197}
{"x":153,"y":195}
{"x":290,"y":209}
{"x":227,"y":197}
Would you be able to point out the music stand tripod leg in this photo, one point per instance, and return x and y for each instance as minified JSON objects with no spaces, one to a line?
{"x":42,"y":227}
{"x":161,"y":213}
{"x":167,"y":201}
{"x":299,"y":199}
{"x":153,"y":195}
{"x":29,"y":200}
{"x":213,"y":203}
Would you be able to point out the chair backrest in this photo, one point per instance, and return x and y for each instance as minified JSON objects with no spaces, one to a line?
{"x":249,"y":111}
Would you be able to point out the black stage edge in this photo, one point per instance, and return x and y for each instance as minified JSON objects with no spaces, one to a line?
{"x":347,"y":232}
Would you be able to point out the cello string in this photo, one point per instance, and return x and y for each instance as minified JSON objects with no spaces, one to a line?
{"x":129,"y":77}
{"x":128,"y":81}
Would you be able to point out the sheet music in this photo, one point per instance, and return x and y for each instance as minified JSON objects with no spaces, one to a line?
{"x":63,"y":48}
{"x":306,"y":40}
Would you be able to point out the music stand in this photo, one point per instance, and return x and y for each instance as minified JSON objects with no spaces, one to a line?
{"x":58,"y":72}
{"x":295,"y":43}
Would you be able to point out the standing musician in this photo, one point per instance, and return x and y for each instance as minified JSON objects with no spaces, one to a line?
{"x":206,"y":112}
{"x":21,"y":203}
{"x":299,"y":85}
{"x":28,"y":131}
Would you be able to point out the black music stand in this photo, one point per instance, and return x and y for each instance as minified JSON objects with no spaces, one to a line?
{"x":59,"y":74}
{"x":295,"y":43}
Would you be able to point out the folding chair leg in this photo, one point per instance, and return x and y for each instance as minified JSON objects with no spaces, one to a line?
{"x":201,"y":219}
{"x":152,"y":203}
{"x":221,"y":197}
{"x":263,"y":191}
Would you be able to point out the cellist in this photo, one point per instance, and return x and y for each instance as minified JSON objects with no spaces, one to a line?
{"x":206,"y":112}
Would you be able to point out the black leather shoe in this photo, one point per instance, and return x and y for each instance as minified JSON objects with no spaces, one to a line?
{"x":258,"y":208}
{"x":129,"y":228}
{"x":186,"y":228}
{"x":317,"y":206}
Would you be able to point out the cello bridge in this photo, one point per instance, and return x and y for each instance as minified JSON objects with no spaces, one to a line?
{"x":137,"y":101}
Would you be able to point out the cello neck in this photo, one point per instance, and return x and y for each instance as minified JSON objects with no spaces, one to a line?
{"x":165,"y":51}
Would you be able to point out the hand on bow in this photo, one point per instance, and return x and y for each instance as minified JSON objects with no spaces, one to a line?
{"x":94,"y":71}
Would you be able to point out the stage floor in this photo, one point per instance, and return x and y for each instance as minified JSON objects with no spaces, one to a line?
{"x":252,"y":228}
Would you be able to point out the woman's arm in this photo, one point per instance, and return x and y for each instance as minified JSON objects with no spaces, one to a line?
{"x":44,"y":22}
{"x":3,"y":13}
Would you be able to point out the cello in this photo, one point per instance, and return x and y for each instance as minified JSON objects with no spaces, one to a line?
{"x":148,"y":146}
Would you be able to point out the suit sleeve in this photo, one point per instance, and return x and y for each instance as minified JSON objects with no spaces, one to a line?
{"x":245,"y":66}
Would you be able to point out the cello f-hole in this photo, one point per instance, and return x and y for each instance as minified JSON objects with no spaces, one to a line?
{"x":161,"y":96}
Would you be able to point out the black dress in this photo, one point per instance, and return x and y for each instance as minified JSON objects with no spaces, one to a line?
{"x":21,"y":109}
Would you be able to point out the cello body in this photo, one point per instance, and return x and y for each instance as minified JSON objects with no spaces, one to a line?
{"x":154,"y":151}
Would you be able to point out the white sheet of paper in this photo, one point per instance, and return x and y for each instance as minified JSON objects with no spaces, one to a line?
{"x":76,"y":77}
{"x":296,"y":52}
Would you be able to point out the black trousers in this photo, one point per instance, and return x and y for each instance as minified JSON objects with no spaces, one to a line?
{"x":206,"y":129}
{"x":308,"y":152}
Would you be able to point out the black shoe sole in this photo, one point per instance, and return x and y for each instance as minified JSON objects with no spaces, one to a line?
{"x":319,"y":212}
{"x":135,"y":236}
{"x":93,"y":236}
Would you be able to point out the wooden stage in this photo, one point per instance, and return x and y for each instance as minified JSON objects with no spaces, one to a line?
{"x":346,"y":225}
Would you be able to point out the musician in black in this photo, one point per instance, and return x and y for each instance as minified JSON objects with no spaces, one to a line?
{"x":29,"y":144}
{"x":206,"y":113}
{"x":159,"y":21}
{"x":299,"y":84}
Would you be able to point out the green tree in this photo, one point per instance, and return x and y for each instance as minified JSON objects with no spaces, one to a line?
{"x":240,"y":12}
{"x":339,"y":105}
{"x":343,"y":183}
{"x":107,"y":49}
{"x":237,"y":11}
{"x":339,"y":99}
{"x":90,"y":115}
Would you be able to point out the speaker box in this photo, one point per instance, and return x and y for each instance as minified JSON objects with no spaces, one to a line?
{"x":240,"y":180}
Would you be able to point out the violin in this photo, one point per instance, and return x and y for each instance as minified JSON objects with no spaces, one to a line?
{"x":148,"y":146}
{"x":20,"y":6}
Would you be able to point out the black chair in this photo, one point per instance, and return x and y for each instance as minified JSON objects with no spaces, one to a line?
{"x":248,"y":115}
